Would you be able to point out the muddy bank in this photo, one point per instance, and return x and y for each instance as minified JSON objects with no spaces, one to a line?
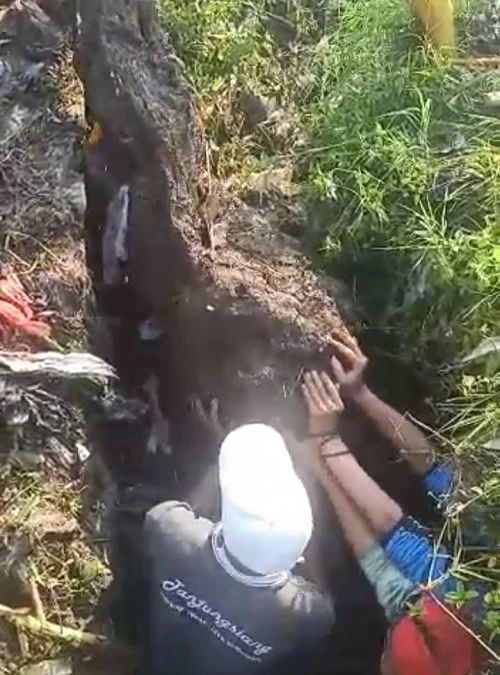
{"x":236,"y":310}
{"x":239,"y":313}
{"x":209,"y":297}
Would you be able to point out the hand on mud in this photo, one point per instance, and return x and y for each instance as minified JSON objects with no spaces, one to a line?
{"x":324,"y":404}
{"x":348,"y":366}
{"x":210,"y":418}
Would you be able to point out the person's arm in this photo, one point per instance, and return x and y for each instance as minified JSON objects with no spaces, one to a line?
{"x":324,"y":412}
{"x":405,"y":543}
{"x":357,"y":532}
{"x":405,"y":435}
{"x":373,"y":504}
{"x":348,"y":365}
{"x":203,"y":497}
{"x":380,"y":510}
{"x":363,"y":528}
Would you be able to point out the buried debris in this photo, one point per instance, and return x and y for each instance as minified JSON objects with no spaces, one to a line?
{"x":52,"y":562}
{"x":16,"y":309}
{"x":53,"y":667}
{"x":114,"y":240}
{"x":22,"y":619}
{"x":53,"y":364}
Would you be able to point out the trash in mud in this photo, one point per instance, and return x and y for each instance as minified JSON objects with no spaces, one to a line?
{"x":114,"y":240}
{"x":117,"y":408}
{"x":60,"y":453}
{"x":53,"y":364}
{"x":16,"y":308}
{"x":56,"y":667}
{"x":82,"y":452}
{"x":14,"y":409}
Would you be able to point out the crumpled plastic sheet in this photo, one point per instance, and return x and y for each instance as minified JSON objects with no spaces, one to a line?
{"x":114,"y":240}
{"x":55,"y":364}
{"x":55,"y":667}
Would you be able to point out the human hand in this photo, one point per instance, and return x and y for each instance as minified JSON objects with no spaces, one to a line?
{"x":209,"y":418}
{"x":348,"y":366}
{"x":323,"y":402}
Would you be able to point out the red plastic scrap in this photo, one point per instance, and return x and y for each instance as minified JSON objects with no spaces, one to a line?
{"x":16,"y":309}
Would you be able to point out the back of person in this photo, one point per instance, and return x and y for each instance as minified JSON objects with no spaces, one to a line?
{"x":202,"y":620}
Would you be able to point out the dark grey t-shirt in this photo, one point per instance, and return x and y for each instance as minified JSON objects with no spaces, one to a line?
{"x":201,"y":621}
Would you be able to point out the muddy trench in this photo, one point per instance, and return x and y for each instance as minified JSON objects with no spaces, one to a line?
{"x":151,"y":437}
{"x":181,"y":318}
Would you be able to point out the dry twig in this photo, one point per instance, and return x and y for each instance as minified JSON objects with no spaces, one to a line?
{"x":22,"y":619}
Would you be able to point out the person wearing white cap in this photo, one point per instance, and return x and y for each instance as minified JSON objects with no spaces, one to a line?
{"x":223,"y":597}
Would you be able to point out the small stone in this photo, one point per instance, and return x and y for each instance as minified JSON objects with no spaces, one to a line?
{"x":492,"y":100}
{"x":278,"y":181}
{"x":51,"y":522}
{"x":492,"y":444}
{"x":257,"y":109}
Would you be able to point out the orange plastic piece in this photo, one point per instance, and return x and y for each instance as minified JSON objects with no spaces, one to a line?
{"x":16,"y":308}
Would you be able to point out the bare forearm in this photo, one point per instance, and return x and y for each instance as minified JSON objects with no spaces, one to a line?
{"x":375,"y":505}
{"x":357,"y":531}
{"x":405,"y":435}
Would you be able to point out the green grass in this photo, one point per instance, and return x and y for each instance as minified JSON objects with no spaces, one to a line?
{"x":401,"y":168}
{"x":403,"y":206}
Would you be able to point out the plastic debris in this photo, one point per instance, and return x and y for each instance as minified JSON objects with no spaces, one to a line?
{"x":59,"y":452}
{"x":72,"y":365}
{"x":114,"y":240}
{"x":488,"y":347}
{"x":492,"y":444}
{"x":82,"y":452}
{"x":492,"y":99}
{"x":16,"y":309}
{"x":56,"y":667}
{"x":14,"y":409}
{"x":117,"y":408}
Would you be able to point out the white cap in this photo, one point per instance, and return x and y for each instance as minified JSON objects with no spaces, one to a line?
{"x":266,"y":514}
